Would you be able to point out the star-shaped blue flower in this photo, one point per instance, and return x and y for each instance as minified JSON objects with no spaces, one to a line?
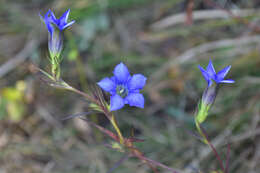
{"x":124,"y":88}
{"x":209,"y":74}
{"x":55,"y":28}
{"x":61,"y":23}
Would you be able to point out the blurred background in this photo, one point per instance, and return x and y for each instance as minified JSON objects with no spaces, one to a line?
{"x":165,"y":41}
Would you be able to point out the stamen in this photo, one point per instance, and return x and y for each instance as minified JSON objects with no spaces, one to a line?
{"x":122,"y":91}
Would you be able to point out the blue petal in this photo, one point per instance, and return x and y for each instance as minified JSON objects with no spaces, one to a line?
{"x":52,"y":15}
{"x":107,"y":84}
{"x":116,"y":102}
{"x":61,"y":23}
{"x":68,"y":24}
{"x":55,"y":21}
{"x":205,"y":75}
{"x":113,"y":78}
{"x":63,"y":19}
{"x":65,"y":16}
{"x":228,"y":81}
{"x":136,"y":82}
{"x":210,"y":69}
{"x":48,"y":20}
{"x":222,"y":73}
{"x":135,"y":99}
{"x":121,"y":73}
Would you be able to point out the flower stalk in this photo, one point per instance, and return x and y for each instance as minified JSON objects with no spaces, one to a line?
{"x":208,"y":98}
{"x":56,"y":29}
{"x":115,"y":125}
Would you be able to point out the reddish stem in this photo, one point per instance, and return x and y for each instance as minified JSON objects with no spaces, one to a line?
{"x":227,"y":159}
{"x":213,"y":149}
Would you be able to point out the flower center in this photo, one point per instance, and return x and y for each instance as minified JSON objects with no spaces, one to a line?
{"x":122,"y":91}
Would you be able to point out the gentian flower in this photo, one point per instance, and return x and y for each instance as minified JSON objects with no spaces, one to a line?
{"x":210,"y":75}
{"x":210,"y":93}
{"x":124,"y":88}
{"x":55,"y":28}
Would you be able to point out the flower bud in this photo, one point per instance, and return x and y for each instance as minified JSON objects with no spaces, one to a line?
{"x":209,"y":94}
{"x":55,"y":44}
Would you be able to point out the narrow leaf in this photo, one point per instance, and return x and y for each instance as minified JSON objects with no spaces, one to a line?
{"x":76,"y":115}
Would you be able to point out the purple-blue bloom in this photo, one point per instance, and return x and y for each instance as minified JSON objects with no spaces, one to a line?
{"x":61,"y":23}
{"x":124,"y":88}
{"x":209,"y":74}
{"x":55,"y":28}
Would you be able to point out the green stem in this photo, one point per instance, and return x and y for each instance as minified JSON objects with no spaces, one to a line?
{"x":200,"y":132}
{"x":114,"y":123}
{"x":112,"y":118}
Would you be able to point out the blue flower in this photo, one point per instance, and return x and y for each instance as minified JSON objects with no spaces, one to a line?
{"x":48,"y":21}
{"x":55,"y":28}
{"x":124,"y":88}
{"x":209,"y":74}
{"x":61,"y":23}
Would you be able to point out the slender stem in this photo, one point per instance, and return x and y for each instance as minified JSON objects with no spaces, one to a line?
{"x":200,"y":132}
{"x":83,"y":94}
{"x":112,"y":118}
{"x":199,"y":118}
{"x":161,"y":165}
{"x":58,"y":72}
{"x":205,"y":136}
{"x":114,"y":123}
{"x":227,"y":159}
{"x":118,"y":163}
